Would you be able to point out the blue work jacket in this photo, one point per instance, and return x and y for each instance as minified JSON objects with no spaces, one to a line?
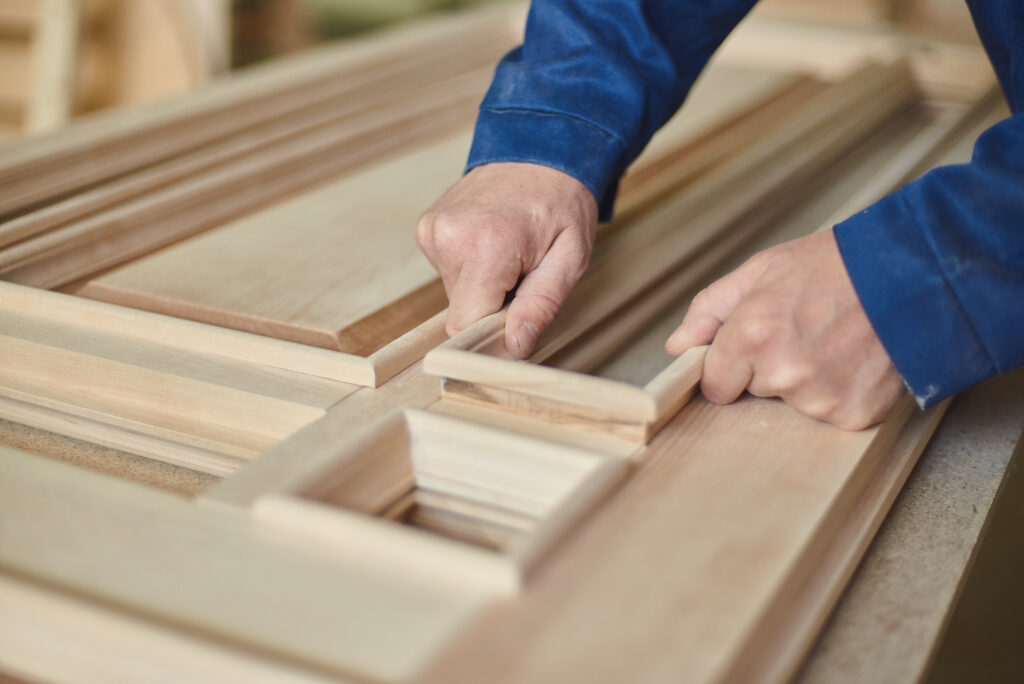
{"x":938,"y":265}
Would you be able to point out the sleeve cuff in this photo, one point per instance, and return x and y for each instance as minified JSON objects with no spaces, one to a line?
{"x":910,"y":302}
{"x":562,"y":142}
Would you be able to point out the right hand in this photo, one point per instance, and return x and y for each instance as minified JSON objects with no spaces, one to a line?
{"x":501,"y":222}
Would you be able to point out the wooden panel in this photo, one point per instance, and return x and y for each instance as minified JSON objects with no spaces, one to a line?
{"x":335,"y":268}
{"x":216,"y":404}
{"x":481,"y":505}
{"x":710,"y":543}
{"x":161,"y":558}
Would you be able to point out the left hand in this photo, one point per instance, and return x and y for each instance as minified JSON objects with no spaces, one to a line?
{"x":788,"y":323}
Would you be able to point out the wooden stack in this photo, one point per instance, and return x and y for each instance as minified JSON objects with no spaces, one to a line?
{"x":228,"y":283}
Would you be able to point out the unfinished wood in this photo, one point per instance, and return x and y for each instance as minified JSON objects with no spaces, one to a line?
{"x":133,"y":324}
{"x":277,"y":469}
{"x":171,"y":478}
{"x":54,"y":52}
{"x":314,"y":269}
{"x":18,"y":17}
{"x":476,"y":355}
{"x":946,"y":71}
{"x":58,"y":637}
{"x":704,"y":479}
{"x":206,"y":200}
{"x":103,"y":433}
{"x":98,"y":149}
{"x":164,"y":560}
{"x":777,"y":649}
{"x":181,"y":168}
{"x":301,"y":273}
{"x":214,"y":403}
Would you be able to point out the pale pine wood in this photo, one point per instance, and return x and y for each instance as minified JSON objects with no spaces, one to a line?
{"x":133,"y":324}
{"x":212,"y":403}
{"x":170,"y":214}
{"x":104,"y":432}
{"x":160,"y":557}
{"x":312,"y":269}
{"x":55,"y":165}
{"x":683,"y":523}
{"x":54,"y":51}
{"x":493,"y":476}
{"x":476,"y":355}
{"x":155,"y":283}
{"x":58,"y":637}
{"x":331,"y":116}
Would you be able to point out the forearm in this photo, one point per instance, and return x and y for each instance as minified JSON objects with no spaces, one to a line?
{"x":593,"y":81}
{"x":939,"y":268}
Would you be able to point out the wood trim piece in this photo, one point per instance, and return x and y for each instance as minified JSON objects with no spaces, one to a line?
{"x":98,"y":149}
{"x":731,"y":507}
{"x":186,"y":335}
{"x":546,"y":485}
{"x":476,"y":358}
{"x":161,"y":558}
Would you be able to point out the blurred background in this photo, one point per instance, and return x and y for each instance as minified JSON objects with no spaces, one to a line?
{"x":63,"y":58}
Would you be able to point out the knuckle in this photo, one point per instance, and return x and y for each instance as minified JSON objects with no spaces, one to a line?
{"x":754,"y":331}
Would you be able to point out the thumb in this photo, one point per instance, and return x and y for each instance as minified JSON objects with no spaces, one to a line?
{"x":542,"y":292}
{"x":712,"y":306}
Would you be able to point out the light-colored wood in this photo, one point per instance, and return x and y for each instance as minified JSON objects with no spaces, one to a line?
{"x":722,"y":510}
{"x":104,"y":433}
{"x":296,"y":299}
{"x":133,"y":324}
{"x":133,"y":138}
{"x":313,"y":269}
{"x":310,"y":120}
{"x":212,"y":403}
{"x":54,"y":49}
{"x":161,"y":558}
{"x":476,"y":355}
{"x":58,"y":637}
{"x":777,"y":649}
{"x":548,"y":487}
{"x":206,"y":200}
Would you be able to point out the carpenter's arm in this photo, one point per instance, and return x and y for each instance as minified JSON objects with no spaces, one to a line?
{"x":565,"y":115}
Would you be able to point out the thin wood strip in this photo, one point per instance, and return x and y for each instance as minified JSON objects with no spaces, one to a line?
{"x":272,"y":172}
{"x":186,"y":335}
{"x":158,"y":556}
{"x":181,"y":168}
{"x":102,"y":432}
{"x":550,"y":383}
{"x":473,"y":366}
{"x":224,"y":107}
{"x":775,"y":652}
{"x":358,"y":537}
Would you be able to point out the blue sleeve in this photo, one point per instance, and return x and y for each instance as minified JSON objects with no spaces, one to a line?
{"x":939,"y":268}
{"x":593,"y":81}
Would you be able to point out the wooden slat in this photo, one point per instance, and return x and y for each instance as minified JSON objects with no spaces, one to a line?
{"x":161,"y":558}
{"x":316,"y":269}
{"x":98,"y":149}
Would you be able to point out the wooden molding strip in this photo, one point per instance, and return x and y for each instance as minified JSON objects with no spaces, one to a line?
{"x":32,"y":171}
{"x":186,"y":335}
{"x":474,"y":358}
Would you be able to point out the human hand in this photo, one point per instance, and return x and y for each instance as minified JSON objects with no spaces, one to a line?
{"x":501,"y":222}
{"x":788,"y":323}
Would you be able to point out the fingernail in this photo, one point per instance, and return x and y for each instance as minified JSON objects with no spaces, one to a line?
{"x":526,"y":337}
